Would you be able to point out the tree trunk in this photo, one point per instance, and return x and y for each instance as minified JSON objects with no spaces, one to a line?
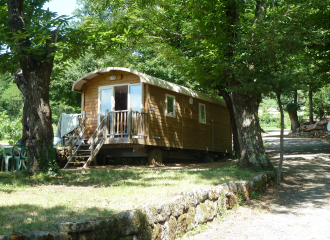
{"x":294,"y":121}
{"x":37,"y":118}
{"x":252,"y":152}
{"x":278,"y":95}
{"x":294,"y":116}
{"x":33,"y":81}
{"x":229,"y":104}
{"x":310,"y":97}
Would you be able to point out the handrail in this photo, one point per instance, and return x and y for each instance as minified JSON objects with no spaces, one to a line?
{"x":79,"y":133}
{"x":101,"y":128}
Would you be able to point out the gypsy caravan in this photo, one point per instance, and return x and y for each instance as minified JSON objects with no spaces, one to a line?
{"x":130,"y":114}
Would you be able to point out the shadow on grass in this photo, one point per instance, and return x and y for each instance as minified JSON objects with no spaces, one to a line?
{"x":34,"y":217}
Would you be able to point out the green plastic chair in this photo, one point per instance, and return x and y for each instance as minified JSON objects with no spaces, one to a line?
{"x":7,"y":159}
{"x":23,"y":155}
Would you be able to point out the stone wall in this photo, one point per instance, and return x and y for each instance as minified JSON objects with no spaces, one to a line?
{"x":163,"y":221}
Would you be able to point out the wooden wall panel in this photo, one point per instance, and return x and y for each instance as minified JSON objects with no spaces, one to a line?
{"x":168,"y":128}
{"x":222,"y":127}
{"x":197,"y":135}
{"x":185,"y":131}
{"x":91,"y":94}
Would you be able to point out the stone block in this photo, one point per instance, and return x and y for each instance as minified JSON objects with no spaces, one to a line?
{"x":245,"y":189}
{"x":177,"y":205}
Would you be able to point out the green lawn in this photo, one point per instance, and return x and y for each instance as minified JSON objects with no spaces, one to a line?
{"x":35,"y":203}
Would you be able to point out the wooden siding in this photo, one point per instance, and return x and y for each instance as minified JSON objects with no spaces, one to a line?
{"x":222,"y":130}
{"x":168,"y":128}
{"x":184,"y":130}
{"x":91,"y":95}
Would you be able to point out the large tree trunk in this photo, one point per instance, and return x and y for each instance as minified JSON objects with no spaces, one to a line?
{"x":252,"y":152}
{"x":229,"y":104}
{"x":33,"y":81}
{"x":37,"y":118}
{"x":310,"y":97}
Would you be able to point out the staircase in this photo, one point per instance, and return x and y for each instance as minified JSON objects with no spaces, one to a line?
{"x":85,"y":150}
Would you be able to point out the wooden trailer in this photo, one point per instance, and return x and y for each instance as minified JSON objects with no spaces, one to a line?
{"x":129,"y":114}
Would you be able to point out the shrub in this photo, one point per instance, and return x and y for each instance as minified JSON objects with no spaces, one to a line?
{"x":11,"y":129}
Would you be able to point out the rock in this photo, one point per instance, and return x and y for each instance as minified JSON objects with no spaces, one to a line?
{"x":244,"y":188}
{"x":130,"y":222}
{"x":177,"y":205}
{"x":202,"y":194}
{"x":150,"y":212}
{"x":205,"y":212}
{"x":164,"y":232}
{"x":156,"y":213}
{"x":214,"y":193}
{"x":232,"y":200}
{"x":172,"y":228}
{"x":190,"y":199}
{"x":182,"y":224}
{"x":258,"y":183}
{"x":156,"y":231}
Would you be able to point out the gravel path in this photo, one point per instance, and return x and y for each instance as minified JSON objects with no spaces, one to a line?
{"x":297,"y":209}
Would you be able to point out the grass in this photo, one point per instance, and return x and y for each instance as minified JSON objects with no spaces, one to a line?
{"x":37,"y":202}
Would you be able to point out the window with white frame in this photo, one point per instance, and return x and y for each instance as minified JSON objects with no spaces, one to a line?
{"x":202,"y":113}
{"x":170,"y":105}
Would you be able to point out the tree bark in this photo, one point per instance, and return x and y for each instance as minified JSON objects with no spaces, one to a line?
{"x":252,"y":152}
{"x":279,"y":170}
{"x":33,"y":81}
{"x":229,"y":104}
{"x":294,"y":116}
{"x":310,"y":97}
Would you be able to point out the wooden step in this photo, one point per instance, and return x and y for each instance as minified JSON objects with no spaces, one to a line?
{"x":77,"y":162}
{"x":81,"y":156}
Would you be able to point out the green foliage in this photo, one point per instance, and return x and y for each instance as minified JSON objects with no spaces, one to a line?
{"x":11,"y":99}
{"x":256,"y":195}
{"x":241,"y":201}
{"x":10,"y":129}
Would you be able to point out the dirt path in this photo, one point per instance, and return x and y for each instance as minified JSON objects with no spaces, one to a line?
{"x":298,"y":209}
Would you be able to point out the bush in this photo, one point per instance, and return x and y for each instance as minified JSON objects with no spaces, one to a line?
{"x":11,"y":129}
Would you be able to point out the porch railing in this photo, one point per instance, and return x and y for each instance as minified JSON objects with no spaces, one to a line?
{"x":127,"y":124}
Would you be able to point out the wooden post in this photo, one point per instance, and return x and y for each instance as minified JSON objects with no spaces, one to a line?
{"x":106,"y":124}
{"x":147,"y":110}
{"x":212,"y":125}
{"x":92,"y":149}
{"x":129,"y":124}
{"x":182,"y":112}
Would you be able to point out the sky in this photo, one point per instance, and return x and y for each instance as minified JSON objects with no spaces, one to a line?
{"x":62,"y":7}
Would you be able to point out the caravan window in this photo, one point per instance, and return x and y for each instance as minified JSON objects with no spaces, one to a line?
{"x":202,"y":113}
{"x":170,"y":105}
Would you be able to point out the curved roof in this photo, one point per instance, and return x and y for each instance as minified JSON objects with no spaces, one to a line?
{"x":144,"y":78}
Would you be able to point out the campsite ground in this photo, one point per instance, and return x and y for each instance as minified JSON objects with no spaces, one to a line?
{"x":299,"y":208}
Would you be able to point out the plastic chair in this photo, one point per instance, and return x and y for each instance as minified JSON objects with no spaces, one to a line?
{"x":7,"y":159}
{"x":20,"y":153}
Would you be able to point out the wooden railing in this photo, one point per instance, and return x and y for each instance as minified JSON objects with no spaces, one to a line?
{"x":78,"y":134}
{"x":138,"y":124}
{"x":97,"y":139}
{"x":127,"y":124}
{"x":119,"y":124}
